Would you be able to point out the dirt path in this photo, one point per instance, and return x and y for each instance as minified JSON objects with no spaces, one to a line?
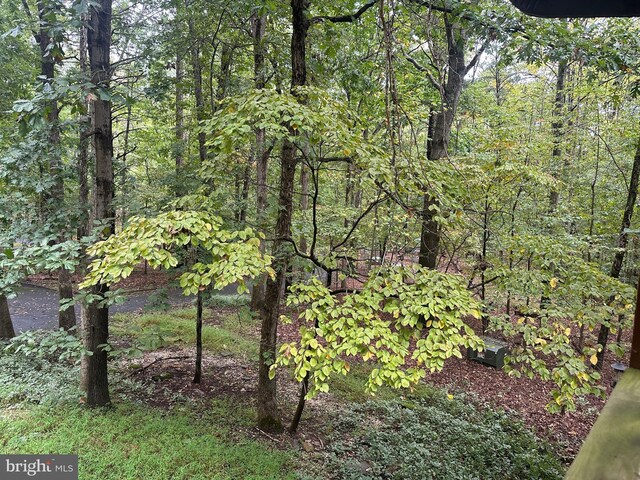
{"x":36,"y":307}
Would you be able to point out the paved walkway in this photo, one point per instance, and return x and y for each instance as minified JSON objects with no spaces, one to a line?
{"x":37,"y":307}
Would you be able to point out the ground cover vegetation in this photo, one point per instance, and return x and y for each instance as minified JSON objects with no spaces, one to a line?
{"x":396,"y":178}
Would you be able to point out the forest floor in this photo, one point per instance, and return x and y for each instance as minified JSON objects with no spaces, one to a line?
{"x":230,"y":371}
{"x":227,"y":374}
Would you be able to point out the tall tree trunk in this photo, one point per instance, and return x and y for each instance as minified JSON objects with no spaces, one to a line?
{"x":83,"y":144}
{"x":440,"y":122}
{"x":304,"y":202}
{"x":224,"y":77}
{"x":197,"y":91}
{"x":268,"y":415}
{"x":96,"y":324}
{"x":84,"y":224}
{"x":258,"y":29}
{"x":623,"y":239}
{"x":6,"y":326}
{"x":54,"y":199}
{"x":557,"y":128}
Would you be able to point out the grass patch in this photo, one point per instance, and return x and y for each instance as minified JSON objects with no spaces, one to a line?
{"x":39,"y":413}
{"x":136,"y":442}
{"x":233,"y":335}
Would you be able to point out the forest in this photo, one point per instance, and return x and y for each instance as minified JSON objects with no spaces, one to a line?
{"x":326,"y":208}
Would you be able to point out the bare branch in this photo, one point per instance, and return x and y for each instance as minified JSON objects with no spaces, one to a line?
{"x":426,"y":71}
{"x":358,"y":220}
{"x":349,"y":18}
{"x":473,"y":287}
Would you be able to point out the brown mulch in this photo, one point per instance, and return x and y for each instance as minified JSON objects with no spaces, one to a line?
{"x":525,"y":398}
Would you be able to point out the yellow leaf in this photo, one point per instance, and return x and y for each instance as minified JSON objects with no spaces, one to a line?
{"x":520,"y":320}
{"x":553,"y":282}
{"x":449,"y":396}
{"x":594,"y":359}
{"x":567,"y":331}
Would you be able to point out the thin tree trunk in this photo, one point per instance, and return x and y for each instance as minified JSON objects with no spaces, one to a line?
{"x":198,"y":373}
{"x":224,"y":77}
{"x":53,"y":200}
{"x":124,"y":192}
{"x":268,"y":415}
{"x":66,"y":317}
{"x":6,"y":326}
{"x":180,"y":131}
{"x":304,"y":388}
{"x":84,"y":224}
{"x":304,"y":202}
{"x":96,"y":323}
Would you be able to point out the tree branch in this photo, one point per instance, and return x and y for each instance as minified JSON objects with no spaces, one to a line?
{"x":480,"y":51}
{"x":426,"y":71}
{"x":349,"y":18}
{"x":473,"y":287}
{"x":358,"y":220}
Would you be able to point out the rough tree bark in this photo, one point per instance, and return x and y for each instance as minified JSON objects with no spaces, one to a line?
{"x":84,"y":225}
{"x":96,"y":319}
{"x":268,"y":415}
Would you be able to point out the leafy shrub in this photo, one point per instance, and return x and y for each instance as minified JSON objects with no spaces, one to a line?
{"x":32,"y":375}
{"x":437,"y":438}
{"x":58,"y":345}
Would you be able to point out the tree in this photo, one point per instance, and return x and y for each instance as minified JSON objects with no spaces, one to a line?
{"x":231,"y":256}
{"x":399,"y":315}
{"x":95,"y":317}
{"x":448,"y":81}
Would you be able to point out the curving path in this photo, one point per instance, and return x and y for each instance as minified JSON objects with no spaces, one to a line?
{"x":37,"y":307}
